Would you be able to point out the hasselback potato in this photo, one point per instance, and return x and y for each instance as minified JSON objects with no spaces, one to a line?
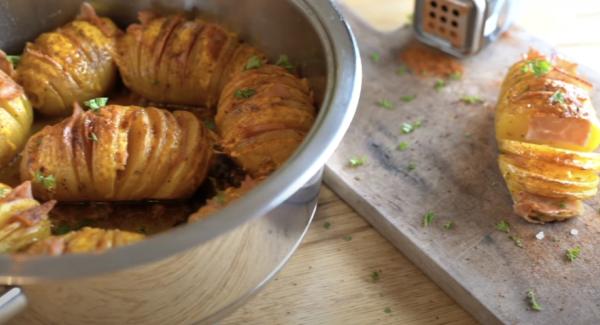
{"x":174,"y":60}
{"x":547,"y":129}
{"x":118,"y":153}
{"x":86,"y":240}
{"x":16,"y":117}
{"x":263,"y":115}
{"x":23,"y":221}
{"x":223,"y":198}
{"x":71,"y":64}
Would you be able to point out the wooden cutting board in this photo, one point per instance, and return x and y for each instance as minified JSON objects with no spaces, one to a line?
{"x":450,"y":169}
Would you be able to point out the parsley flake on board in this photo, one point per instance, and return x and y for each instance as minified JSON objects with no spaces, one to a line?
{"x":402,"y":146}
{"x":407,"y":127}
{"x":439,"y":84}
{"x":244,"y":93}
{"x":532,"y":299}
{"x":408,"y":98}
{"x":449,"y":225}
{"x":327,"y":225}
{"x":557,"y":97}
{"x":254,"y":62}
{"x":385,"y":103}
{"x":428,"y":218}
{"x":14,"y":60}
{"x":518,"y":242}
{"x":375,"y":57}
{"x":357,"y":161}
{"x":503,"y":226}
{"x":285,"y":63}
{"x":387,"y":310}
{"x":401,"y":70}
{"x":573,"y":253}
{"x":411,"y":167}
{"x":96,"y":104}
{"x":375,"y":276}
{"x":537,"y":67}
{"x":348,"y":238}
{"x":471,"y":99}
{"x":48,"y":182}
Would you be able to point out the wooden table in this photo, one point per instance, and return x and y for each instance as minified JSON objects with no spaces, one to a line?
{"x":345,"y":272}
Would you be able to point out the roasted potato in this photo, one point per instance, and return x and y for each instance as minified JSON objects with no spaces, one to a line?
{"x":175,"y":60}
{"x":223,"y":198}
{"x":71,"y":64}
{"x":546,"y":129}
{"x":118,"y":153}
{"x":263,"y":115}
{"x":86,"y":240}
{"x":23,"y":221}
{"x":16,"y":117}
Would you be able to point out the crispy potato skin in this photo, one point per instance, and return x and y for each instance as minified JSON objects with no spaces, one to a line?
{"x":119,"y":153}
{"x":175,"y":60}
{"x":69,"y":65}
{"x":86,"y":240}
{"x":547,"y":129}
{"x":262,"y":129}
{"x":16,"y":117}
{"x":223,"y":198}
{"x":23,"y":221}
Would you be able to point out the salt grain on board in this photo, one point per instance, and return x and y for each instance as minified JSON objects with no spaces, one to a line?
{"x":574,"y":232}
{"x":540,"y":235}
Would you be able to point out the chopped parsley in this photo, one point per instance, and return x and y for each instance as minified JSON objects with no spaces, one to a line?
{"x":557,"y":97}
{"x":449,"y":225}
{"x":48,"y":182}
{"x":375,"y":57}
{"x":14,"y":60}
{"x":244,"y":93}
{"x":410,"y":127}
{"x":357,"y":161}
{"x":411,"y":167}
{"x":96,"y":104}
{"x":401,"y":70}
{"x":385,"y":103}
{"x":408,"y":98}
{"x":428,"y":218}
{"x":254,"y":62}
{"x":348,"y":238}
{"x":210,"y":124}
{"x":471,"y":99}
{"x":562,"y":205}
{"x":537,"y":67}
{"x":220,"y":198}
{"x":573,"y":253}
{"x":439,"y":84}
{"x":387,"y":310}
{"x":503,"y":226}
{"x":61,"y":230}
{"x":375,"y":276}
{"x":93,"y":137}
{"x":402,"y":146}
{"x":285,"y":63}
{"x":455,"y":76}
{"x":518,"y":242}
{"x":327,"y":225}
{"x":532,"y":299}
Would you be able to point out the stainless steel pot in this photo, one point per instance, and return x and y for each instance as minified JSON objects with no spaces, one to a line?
{"x":198,"y":272}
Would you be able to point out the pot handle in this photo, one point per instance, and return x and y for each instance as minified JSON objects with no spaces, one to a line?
{"x":12,"y":302}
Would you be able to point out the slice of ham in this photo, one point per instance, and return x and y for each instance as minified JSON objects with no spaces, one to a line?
{"x":554,"y":129}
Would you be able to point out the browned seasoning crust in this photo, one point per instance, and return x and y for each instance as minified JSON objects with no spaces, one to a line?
{"x":119,"y":153}
{"x":223,"y":198}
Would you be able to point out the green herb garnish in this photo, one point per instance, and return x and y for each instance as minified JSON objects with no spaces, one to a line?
{"x":411,"y":167}
{"x":327,"y":225}
{"x":220,"y":197}
{"x":532,"y":299}
{"x":402,"y":146}
{"x":455,"y":76}
{"x":375,"y":57}
{"x":573,"y":253}
{"x":357,"y":161}
{"x":375,"y":276}
{"x":439,"y":84}
{"x":62,"y":229}
{"x":348,"y":238}
{"x":557,"y":97}
{"x":387,"y":310}
{"x":503,"y":226}
{"x":408,"y":98}
{"x":96,"y":104}
{"x":285,"y":63}
{"x":93,"y":137}
{"x":210,"y":124}
{"x":471,"y":99}
{"x":537,"y":67}
{"x":48,"y":182}
{"x":14,"y":60}
{"x":562,"y":205}
{"x":428,"y":218}
{"x":244,"y":93}
{"x":410,"y":127}
{"x":449,"y":225}
{"x":385,"y":103}
{"x":401,"y":70}
{"x":254,"y":62}
{"x":518,"y":242}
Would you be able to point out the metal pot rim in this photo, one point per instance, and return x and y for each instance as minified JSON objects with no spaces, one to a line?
{"x":344,"y":78}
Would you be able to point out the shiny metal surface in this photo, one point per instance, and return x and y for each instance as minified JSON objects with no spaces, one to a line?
{"x":12,"y":302}
{"x":311,"y":32}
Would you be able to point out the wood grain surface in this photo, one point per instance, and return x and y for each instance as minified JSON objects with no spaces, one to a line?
{"x":412,"y":297}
